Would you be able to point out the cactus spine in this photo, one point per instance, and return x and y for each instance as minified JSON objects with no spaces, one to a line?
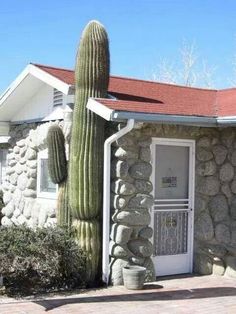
{"x":57,"y":166}
{"x":86,"y":154}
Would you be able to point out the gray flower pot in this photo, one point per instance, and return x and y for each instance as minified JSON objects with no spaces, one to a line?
{"x":134,"y":277}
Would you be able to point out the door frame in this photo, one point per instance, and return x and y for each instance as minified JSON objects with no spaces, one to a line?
{"x":191,"y":188}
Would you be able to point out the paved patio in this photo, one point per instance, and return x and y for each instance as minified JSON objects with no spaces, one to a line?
{"x":191,"y":294}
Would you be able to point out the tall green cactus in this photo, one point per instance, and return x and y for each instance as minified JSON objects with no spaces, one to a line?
{"x":63,"y":210}
{"x":86,"y":152}
{"x":57,"y":164}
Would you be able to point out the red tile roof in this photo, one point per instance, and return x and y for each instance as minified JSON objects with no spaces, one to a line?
{"x":64,"y":75}
{"x":161,"y":98}
{"x":226,"y":102}
{"x":152,"y":97}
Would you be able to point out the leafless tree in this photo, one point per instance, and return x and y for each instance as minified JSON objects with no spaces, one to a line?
{"x":207,"y":75}
{"x":165,"y":73}
{"x":189,"y":70}
{"x":188,"y":58}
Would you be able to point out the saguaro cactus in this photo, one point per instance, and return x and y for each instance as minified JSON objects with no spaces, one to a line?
{"x":57,"y":166}
{"x":86,"y":154}
{"x":63,"y":209}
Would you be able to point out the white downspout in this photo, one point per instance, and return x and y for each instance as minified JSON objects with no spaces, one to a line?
{"x":106,"y":197}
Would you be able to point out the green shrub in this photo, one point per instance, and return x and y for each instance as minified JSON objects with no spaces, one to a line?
{"x":33,"y":261}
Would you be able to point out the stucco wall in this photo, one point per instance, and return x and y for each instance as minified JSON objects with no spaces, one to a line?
{"x":215,"y":199}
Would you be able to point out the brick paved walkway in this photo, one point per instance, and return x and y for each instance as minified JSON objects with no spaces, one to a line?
{"x":206,"y":294}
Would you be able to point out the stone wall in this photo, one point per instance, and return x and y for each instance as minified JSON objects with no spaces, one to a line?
{"x":215,"y":199}
{"x":131,"y":202}
{"x":215,"y":203}
{"x":20,"y":190}
{"x":131,"y":199}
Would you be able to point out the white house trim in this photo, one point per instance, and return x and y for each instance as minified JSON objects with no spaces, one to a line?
{"x":4,"y":139}
{"x":191,"y":189}
{"x":99,"y":109}
{"x":43,"y":154}
{"x":14,"y":85}
{"x":4,"y":129}
{"x":49,"y":79}
{"x":39,"y":74}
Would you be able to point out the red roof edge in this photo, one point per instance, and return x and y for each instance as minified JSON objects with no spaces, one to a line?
{"x":51,"y":67}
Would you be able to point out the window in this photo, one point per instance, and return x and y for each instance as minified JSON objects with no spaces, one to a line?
{"x":45,"y":187}
{"x":3,"y":159}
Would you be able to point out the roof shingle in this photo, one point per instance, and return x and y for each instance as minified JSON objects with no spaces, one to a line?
{"x":152,"y":97}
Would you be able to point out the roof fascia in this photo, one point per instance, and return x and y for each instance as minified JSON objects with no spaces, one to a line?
{"x":165,"y":118}
{"x":100,"y":109}
{"x":49,"y":79}
{"x":14,"y":84}
{"x":113,"y":115}
{"x":41,"y":75}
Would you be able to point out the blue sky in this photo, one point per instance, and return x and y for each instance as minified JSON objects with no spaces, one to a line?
{"x":141,"y":32}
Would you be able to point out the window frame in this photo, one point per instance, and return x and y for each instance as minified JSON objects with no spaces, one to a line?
{"x":43,"y":154}
{"x":3,"y":153}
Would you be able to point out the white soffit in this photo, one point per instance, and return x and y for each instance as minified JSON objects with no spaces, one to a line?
{"x":49,"y":79}
{"x":26,"y":86}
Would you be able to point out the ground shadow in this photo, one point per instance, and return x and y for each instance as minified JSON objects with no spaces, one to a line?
{"x":158,"y":295}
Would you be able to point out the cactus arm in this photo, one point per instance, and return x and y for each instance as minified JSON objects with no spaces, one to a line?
{"x":57,"y":163}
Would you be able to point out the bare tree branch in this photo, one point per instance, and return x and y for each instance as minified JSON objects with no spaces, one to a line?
{"x":207,"y":74}
{"x":166,"y":73}
{"x":189,"y":71}
{"x":188,"y":59}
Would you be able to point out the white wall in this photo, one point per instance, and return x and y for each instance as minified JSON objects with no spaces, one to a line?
{"x":4,"y":129}
{"x":39,"y":106}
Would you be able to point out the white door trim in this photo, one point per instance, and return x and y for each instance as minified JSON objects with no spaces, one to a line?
{"x":191,"y":145}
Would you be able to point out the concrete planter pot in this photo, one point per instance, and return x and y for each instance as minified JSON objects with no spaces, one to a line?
{"x":134,"y":277}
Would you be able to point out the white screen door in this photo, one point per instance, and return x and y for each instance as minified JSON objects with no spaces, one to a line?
{"x":172,"y":215}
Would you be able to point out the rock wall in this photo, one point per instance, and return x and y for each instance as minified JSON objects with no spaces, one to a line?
{"x":215,"y":203}
{"x":19,"y":189}
{"x":131,"y":199}
{"x":131,"y":202}
{"x":215,"y":199}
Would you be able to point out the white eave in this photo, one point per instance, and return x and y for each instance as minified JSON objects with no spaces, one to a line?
{"x":100,"y":109}
{"x":24,"y":87}
{"x":117,"y":115}
{"x":38,"y":73}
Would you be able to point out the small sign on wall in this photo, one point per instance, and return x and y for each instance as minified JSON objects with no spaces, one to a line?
{"x":169,"y":182}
